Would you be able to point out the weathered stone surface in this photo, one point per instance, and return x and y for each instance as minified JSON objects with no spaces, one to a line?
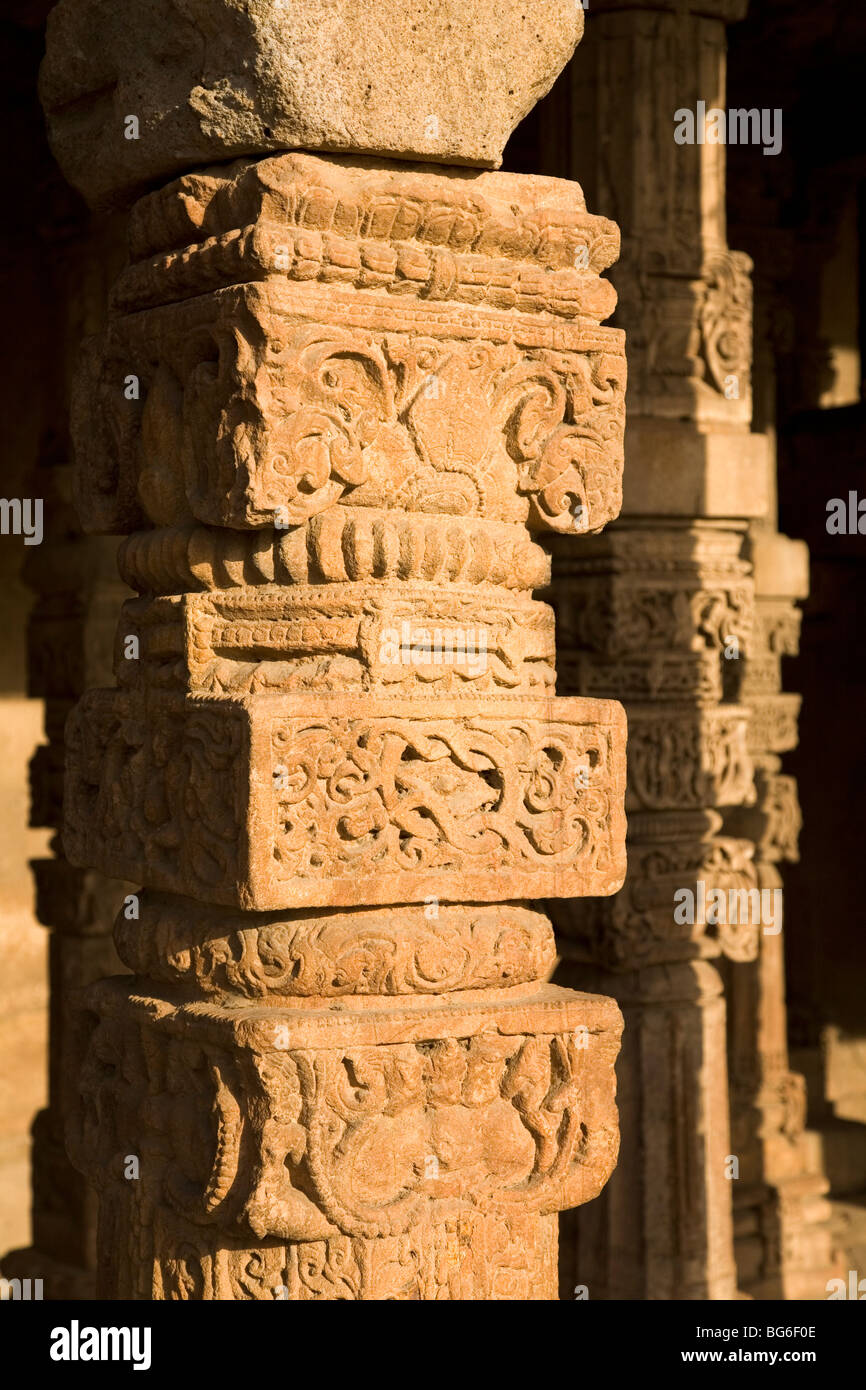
{"x":701,"y":760}
{"x":499,"y":240}
{"x":243,"y":387}
{"x":681,"y":1247}
{"x":637,"y":927}
{"x":333,"y":399}
{"x":341,"y":637}
{"x":386,"y":951}
{"x":213,"y":79}
{"x":678,"y":471}
{"x":462,"y":1255}
{"x":273,"y":801}
{"x":648,"y":613}
{"x":334,"y":547}
{"x":360,"y":386}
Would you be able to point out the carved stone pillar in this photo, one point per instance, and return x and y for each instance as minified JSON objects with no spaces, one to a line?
{"x":782,"y":1220}
{"x":335,"y":400}
{"x":783,"y":1240}
{"x":671,"y":600}
{"x":78,"y":596}
{"x":658,"y":613}
{"x":70,"y":644}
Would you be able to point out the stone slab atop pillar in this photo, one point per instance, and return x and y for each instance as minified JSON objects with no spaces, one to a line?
{"x":409,"y":79}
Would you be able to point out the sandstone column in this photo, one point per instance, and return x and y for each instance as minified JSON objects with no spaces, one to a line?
{"x":70,"y":640}
{"x":336,"y":398}
{"x":783,"y":1240}
{"x":658,"y":612}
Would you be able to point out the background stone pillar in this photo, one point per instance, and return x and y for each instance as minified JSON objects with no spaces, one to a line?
{"x":705,"y":651}
{"x":334,"y":399}
{"x":782,"y":1218}
{"x":658,"y":612}
{"x":784,"y":1243}
{"x":59,"y":263}
{"x":70,"y":642}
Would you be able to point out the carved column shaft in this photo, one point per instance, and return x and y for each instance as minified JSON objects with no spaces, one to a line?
{"x":71,"y":638}
{"x":70,"y":646}
{"x":782,"y":1218}
{"x":335,"y":400}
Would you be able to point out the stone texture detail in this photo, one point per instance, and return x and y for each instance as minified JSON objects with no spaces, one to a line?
{"x":266,"y":804}
{"x":365,"y":225}
{"x":334,"y":399}
{"x":672,"y":1088}
{"x":369,"y":951}
{"x":336,"y":546}
{"x":651,"y":614}
{"x":345,"y":638}
{"x":417,"y":79}
{"x":461,"y":1257}
{"x":353,"y":1123}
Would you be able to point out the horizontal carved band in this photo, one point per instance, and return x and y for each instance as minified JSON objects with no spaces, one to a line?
{"x":432,"y":949}
{"x":267,"y":803}
{"x":640,"y":927}
{"x":498,"y":240}
{"x":462,"y":1255}
{"x":341,"y":637}
{"x":773,"y":722}
{"x":641,"y":593}
{"x":695,"y":677}
{"x":677,"y":550}
{"x":343,"y":544}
